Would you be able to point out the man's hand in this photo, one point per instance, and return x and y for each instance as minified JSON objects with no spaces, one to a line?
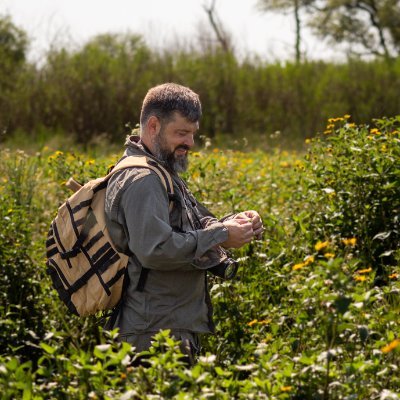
{"x":240,"y":232}
{"x":255,"y":220}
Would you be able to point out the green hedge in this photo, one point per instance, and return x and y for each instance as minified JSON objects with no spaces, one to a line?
{"x":96,"y":89}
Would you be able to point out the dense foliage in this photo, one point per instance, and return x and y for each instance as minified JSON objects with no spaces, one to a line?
{"x":94,"y":90}
{"x":304,"y":319}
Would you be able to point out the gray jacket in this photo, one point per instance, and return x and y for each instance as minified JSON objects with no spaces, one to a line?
{"x":177,"y":247}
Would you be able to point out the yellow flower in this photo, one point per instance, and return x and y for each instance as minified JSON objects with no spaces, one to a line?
{"x":261,"y":322}
{"x":364,"y":271}
{"x":329,"y":255}
{"x":321,"y":245}
{"x":393,"y":276}
{"x":309,"y":260}
{"x":216,"y":150}
{"x":284,"y":164}
{"x":89,"y":162}
{"x":346,"y":116}
{"x":299,"y":163}
{"x":264,"y":321}
{"x":360,"y":278}
{"x":307,"y":141}
{"x":391,"y":346}
{"x":330,"y":120}
{"x":330,"y":126}
{"x":58,"y":153}
{"x":286,"y":388}
{"x":375,"y":131}
{"x":350,"y":241}
{"x":352,"y":125}
{"x":298,"y":266}
{"x":327,"y":132}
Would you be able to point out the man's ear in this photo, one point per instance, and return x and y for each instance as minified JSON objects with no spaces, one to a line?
{"x":153,"y":126}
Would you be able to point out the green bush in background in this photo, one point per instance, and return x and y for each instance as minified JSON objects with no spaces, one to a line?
{"x":91,"y":92}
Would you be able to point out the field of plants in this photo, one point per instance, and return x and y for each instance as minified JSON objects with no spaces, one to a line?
{"x":312,"y":314}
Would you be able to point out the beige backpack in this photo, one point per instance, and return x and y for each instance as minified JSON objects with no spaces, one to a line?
{"x":86,"y":269}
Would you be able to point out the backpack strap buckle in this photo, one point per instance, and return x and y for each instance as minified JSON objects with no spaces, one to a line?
{"x":70,"y":253}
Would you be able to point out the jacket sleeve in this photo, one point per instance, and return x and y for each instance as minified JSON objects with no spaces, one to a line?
{"x":145,"y":211}
{"x":208,"y":218}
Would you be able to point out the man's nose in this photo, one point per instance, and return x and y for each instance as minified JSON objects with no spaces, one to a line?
{"x":189,"y":140}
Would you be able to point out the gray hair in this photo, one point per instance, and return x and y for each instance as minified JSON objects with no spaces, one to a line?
{"x":164,"y":100}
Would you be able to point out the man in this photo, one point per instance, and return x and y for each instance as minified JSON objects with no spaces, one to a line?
{"x":171,"y":247}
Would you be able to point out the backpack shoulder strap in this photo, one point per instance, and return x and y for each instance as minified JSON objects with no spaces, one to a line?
{"x":145,"y":162}
{"x":166,"y":179}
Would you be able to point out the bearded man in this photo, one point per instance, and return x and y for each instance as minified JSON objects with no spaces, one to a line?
{"x":172,"y":240}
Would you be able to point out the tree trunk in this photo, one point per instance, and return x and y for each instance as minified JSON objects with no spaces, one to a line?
{"x":298,"y":32}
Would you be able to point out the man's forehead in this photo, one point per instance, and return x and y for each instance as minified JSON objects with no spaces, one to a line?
{"x":177,"y":117}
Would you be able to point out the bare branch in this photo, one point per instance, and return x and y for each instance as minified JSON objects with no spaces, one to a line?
{"x":217,"y":27}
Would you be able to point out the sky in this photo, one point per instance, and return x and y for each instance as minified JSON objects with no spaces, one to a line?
{"x":53,"y":22}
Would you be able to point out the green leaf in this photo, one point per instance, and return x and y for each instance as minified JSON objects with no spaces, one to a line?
{"x":342,"y":304}
{"x":306,"y":360}
{"x":221,"y":372}
{"x":47,"y":348}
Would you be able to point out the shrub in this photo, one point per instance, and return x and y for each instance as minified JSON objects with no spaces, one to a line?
{"x":353,"y":185}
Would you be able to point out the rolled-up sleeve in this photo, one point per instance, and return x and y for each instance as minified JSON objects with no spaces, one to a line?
{"x":145,"y":209}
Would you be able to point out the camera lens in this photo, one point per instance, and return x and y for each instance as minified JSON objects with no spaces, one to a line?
{"x":225,"y":270}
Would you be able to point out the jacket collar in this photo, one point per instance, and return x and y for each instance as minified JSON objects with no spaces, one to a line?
{"x":134,"y":146}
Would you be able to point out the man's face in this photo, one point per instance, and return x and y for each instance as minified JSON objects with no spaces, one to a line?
{"x":173,"y":142}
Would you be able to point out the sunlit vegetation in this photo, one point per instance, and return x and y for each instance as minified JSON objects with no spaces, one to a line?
{"x":313,"y":313}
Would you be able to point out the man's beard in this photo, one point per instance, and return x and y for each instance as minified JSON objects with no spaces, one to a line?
{"x":173,"y":162}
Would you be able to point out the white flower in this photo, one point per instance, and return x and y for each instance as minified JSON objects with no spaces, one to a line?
{"x":208,"y":359}
{"x":103,"y":347}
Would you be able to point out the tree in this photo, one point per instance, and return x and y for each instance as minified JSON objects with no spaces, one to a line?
{"x":372,"y":25}
{"x":293,"y":6}
{"x":13,"y":47}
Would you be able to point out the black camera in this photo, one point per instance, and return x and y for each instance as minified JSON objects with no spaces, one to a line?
{"x":226,"y":269}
